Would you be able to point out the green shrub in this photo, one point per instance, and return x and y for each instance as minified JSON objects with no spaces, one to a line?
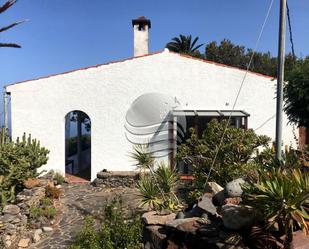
{"x":50,"y":212}
{"x":116,"y":231}
{"x":35,"y":212}
{"x":19,"y":161}
{"x":59,"y":178}
{"x":237,"y":150}
{"x":45,"y":202}
{"x":282,"y":197}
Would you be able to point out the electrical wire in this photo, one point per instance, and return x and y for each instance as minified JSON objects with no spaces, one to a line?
{"x":239,"y":90}
{"x":290,"y":30}
{"x":265,"y":122}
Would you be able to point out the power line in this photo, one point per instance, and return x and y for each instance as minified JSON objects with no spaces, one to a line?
{"x":290,"y":30}
{"x":239,"y":90}
{"x":265,"y":122}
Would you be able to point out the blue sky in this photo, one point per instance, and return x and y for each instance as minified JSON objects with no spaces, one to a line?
{"x":62,"y":35}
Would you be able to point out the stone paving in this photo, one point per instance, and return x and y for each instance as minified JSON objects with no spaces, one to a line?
{"x":78,"y":201}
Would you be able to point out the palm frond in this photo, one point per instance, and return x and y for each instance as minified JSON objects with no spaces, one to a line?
{"x":10,"y":26}
{"x":10,"y":45}
{"x":7,"y":5}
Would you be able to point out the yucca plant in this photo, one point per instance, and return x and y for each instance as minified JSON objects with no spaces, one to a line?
{"x":282,"y":196}
{"x":144,"y":159}
{"x":149,"y":192}
{"x":157,"y":189}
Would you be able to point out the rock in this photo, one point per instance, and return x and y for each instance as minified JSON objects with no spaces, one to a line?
{"x":153,"y":218}
{"x":194,"y":212}
{"x":190,"y":226}
{"x":213,"y":187}
{"x":10,"y":229}
{"x":206,"y":204}
{"x":37,"y":235}
{"x":180,"y":215}
{"x":232,"y":200}
{"x":236,"y":217}
{"x":11,"y":209}
{"x":155,"y":237}
{"x":23,"y":243}
{"x":218,"y":198}
{"x":47,"y":229}
{"x":7,"y":218}
{"x":31,"y":183}
{"x":8,"y":243}
{"x":208,"y":231}
{"x":175,"y":223}
{"x":16,"y":220}
{"x":300,"y":240}
{"x":233,"y":188}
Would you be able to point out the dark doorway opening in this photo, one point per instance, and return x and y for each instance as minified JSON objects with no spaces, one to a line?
{"x":78,"y":145}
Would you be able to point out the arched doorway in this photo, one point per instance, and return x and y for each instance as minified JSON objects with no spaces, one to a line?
{"x":78,"y":145}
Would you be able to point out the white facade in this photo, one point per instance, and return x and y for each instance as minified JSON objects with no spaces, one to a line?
{"x":105,"y":93}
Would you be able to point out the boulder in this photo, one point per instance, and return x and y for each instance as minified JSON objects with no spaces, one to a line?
{"x":23,"y":243}
{"x":194,"y":212}
{"x":208,"y":231}
{"x":236,"y":217}
{"x":300,"y":240}
{"x":218,"y":198}
{"x":154,"y":237}
{"x":233,"y":188}
{"x":31,"y":183}
{"x":11,"y":209}
{"x":175,"y":223}
{"x":206,"y":204}
{"x":213,"y":187}
{"x":154,"y":218}
{"x":188,"y":227}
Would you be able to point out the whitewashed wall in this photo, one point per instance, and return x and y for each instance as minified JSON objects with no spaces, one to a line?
{"x":106,"y":92}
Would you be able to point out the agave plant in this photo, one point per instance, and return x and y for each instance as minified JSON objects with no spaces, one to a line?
{"x":143,"y":158}
{"x":258,"y":238}
{"x":149,"y":192}
{"x":157,"y":189}
{"x":281,"y":196}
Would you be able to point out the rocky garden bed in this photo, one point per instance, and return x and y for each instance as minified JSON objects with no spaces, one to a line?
{"x":32,"y":214}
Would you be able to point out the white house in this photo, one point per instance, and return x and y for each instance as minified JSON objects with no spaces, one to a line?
{"x":121,"y":97}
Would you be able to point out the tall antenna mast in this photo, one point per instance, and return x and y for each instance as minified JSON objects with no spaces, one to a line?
{"x":280,"y":77}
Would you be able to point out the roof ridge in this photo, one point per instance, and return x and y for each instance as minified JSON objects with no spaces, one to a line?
{"x":220,"y":64}
{"x":137,"y":57}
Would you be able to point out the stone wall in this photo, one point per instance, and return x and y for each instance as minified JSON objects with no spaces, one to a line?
{"x":114,"y":179}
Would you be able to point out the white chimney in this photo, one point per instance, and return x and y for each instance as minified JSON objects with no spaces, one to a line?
{"x":141,"y":27}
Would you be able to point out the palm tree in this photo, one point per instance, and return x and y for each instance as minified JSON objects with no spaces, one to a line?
{"x":3,"y":8}
{"x":184,"y":44}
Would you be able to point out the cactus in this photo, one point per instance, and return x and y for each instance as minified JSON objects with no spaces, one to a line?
{"x":18,"y":161}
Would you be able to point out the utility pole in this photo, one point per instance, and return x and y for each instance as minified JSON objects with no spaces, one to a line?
{"x":280,"y":77}
{"x":5,"y":110}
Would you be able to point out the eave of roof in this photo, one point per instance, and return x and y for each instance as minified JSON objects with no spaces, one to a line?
{"x":137,"y":57}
